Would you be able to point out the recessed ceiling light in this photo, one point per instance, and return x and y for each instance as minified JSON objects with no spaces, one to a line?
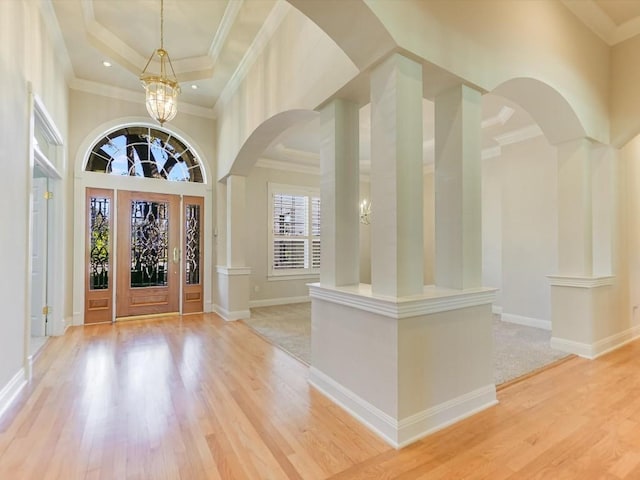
{"x":106,"y":63}
{"x":195,"y":87}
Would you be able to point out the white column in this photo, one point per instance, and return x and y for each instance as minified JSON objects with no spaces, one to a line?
{"x":458,"y":188}
{"x":236,"y":221}
{"x":339,"y":186}
{"x":575,"y":209}
{"x":397,"y":249}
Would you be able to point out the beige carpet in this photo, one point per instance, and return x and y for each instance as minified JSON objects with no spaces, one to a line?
{"x":517,"y":350}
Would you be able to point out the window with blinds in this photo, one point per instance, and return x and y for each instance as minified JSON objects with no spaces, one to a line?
{"x":295,"y":230}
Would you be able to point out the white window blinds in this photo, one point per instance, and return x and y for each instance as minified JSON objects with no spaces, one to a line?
{"x":295,"y":231}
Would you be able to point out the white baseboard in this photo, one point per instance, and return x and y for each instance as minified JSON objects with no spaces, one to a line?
{"x":78,"y":319}
{"x":609,"y":344}
{"x":270,"y":302}
{"x":496,"y":309}
{"x":231,"y":316}
{"x":526,"y":321}
{"x":408,"y":430}
{"x":11,"y":390}
{"x":209,"y":307}
{"x":599,"y":348}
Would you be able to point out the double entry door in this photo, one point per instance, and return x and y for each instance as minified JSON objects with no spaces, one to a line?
{"x":151,"y":259}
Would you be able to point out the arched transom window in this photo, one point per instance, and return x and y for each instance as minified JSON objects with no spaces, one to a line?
{"x":141,"y":151}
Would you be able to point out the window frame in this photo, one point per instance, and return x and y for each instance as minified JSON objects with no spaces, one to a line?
{"x":292,"y":273}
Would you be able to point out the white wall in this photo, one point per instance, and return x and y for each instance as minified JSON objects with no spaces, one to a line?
{"x":520,"y":232}
{"x":26,"y":55}
{"x":261,"y":288}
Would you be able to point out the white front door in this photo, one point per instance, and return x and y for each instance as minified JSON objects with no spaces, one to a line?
{"x":39,"y":258}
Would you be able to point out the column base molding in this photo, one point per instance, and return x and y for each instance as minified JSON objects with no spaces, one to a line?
{"x":400,"y":433}
{"x":599,"y":348}
{"x":228,"y":316}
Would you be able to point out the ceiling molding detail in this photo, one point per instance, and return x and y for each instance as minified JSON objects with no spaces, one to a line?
{"x":287,"y":166}
{"x":228,"y":19}
{"x":520,"y":135}
{"x":499,"y":119}
{"x":270,"y":25}
{"x":601,"y":24}
{"x":196,"y":68}
{"x":103,"y":90}
{"x":51,"y":21}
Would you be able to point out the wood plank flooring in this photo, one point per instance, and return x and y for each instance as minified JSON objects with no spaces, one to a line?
{"x":197,"y":398}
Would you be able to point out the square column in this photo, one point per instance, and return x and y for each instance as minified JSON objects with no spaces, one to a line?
{"x":236,"y":220}
{"x":575,"y":208}
{"x":397,"y":249}
{"x":233,"y":278}
{"x":458,"y":188}
{"x":339,"y":186}
{"x":583,"y":290}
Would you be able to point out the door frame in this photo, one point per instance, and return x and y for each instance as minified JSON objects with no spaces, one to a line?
{"x":84,"y":180}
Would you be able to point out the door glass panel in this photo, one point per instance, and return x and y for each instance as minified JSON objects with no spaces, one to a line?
{"x":149,"y":244}
{"x":100,"y":211}
{"x":192,"y":254}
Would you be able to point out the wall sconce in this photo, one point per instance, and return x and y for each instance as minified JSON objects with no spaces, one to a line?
{"x":365,"y":212}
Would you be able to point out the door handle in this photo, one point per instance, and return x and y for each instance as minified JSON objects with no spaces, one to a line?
{"x":176,"y":255}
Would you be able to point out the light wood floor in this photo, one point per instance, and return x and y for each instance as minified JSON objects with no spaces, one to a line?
{"x":197,"y":398}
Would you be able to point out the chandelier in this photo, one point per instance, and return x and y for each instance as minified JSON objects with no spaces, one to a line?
{"x":161,"y":90}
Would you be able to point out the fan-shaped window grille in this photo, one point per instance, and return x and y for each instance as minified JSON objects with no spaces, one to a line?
{"x":140,"y":151}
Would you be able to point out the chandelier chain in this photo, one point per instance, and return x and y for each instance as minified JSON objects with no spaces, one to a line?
{"x":162,"y":24}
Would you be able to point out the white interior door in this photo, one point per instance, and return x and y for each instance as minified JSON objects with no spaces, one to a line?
{"x":39,"y":258}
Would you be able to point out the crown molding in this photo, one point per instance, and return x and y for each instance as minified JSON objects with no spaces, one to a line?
{"x":600,"y":23}
{"x":228,"y":19}
{"x":195,"y":68}
{"x":103,"y":90}
{"x":500,"y":118}
{"x":272,"y":164}
{"x":269,"y":27}
{"x":51,"y":22}
{"x":520,"y":135}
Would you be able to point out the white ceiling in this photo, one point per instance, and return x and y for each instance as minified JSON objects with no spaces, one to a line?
{"x":208,"y":39}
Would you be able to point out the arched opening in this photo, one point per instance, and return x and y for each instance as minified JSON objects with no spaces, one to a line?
{"x":520,"y":211}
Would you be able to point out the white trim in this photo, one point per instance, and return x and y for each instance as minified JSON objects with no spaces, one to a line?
{"x":613,"y":342}
{"x":527,"y":321}
{"x":580,"y":282}
{"x":292,"y":276}
{"x":569,"y":346}
{"x":224,"y":270}
{"x":433,"y":300}
{"x":500,"y":118}
{"x":228,"y":316}
{"x":421,"y":424}
{"x":410,"y":429}
{"x":208,"y":307}
{"x":599,"y":348}
{"x":12,"y":389}
{"x":118,"y":93}
{"x":222,"y":33}
{"x":269,"y":27}
{"x":520,"y":135}
{"x":496,"y":309}
{"x":601,"y":24}
{"x":270,"y":302}
{"x":287,"y":166}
